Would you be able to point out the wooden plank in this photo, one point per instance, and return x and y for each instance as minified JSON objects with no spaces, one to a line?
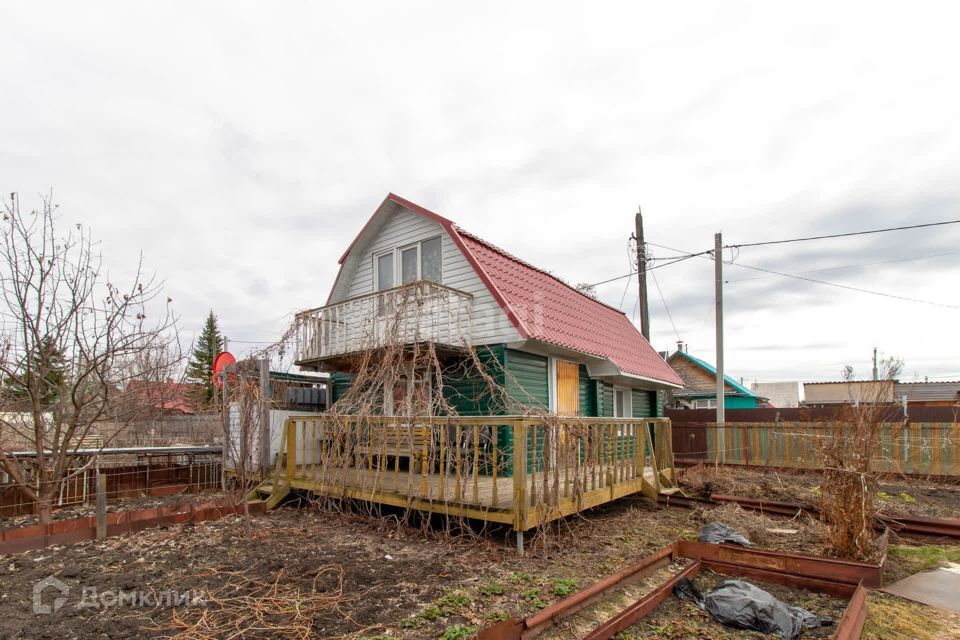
{"x":896,"y":447}
{"x":915,"y":433}
{"x":955,"y":449}
{"x":788,"y":441}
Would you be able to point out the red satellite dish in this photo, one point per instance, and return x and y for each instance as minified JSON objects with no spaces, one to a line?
{"x":220,"y":363}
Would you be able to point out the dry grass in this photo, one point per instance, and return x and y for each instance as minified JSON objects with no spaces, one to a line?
{"x":810,"y":535}
{"x":247,"y":607}
{"x":893,"y":618}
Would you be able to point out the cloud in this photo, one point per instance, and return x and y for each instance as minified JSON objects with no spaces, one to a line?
{"x":242,"y":149}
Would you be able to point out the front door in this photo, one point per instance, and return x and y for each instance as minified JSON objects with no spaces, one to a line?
{"x":568,"y":388}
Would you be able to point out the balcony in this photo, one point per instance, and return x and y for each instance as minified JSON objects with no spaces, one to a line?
{"x":417,"y":312}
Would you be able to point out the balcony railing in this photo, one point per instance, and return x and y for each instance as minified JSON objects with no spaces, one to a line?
{"x":418,"y":312}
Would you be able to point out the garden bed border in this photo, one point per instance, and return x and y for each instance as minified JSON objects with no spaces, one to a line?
{"x":74,"y":530}
{"x":838,"y":578}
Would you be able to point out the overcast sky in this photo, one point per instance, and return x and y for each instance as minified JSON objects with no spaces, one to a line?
{"x":241,"y":147}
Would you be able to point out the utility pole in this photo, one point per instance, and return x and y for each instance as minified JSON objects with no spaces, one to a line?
{"x":718,"y":271}
{"x":642,"y":276}
{"x":874,"y":364}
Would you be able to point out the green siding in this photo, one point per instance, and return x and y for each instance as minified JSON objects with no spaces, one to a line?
{"x":605,"y":394}
{"x":339,"y":384}
{"x":588,"y":394}
{"x":469,"y":395}
{"x":644,"y":403}
{"x":527,"y":380}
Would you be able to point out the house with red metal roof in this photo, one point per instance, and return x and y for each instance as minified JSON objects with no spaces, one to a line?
{"x":554,"y":347}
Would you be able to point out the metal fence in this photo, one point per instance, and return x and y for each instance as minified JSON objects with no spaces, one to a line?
{"x":128,"y":476}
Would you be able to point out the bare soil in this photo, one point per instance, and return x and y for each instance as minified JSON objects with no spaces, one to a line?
{"x":358,"y":577}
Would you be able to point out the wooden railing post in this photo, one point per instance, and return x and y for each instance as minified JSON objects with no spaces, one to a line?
{"x":291,"y":449}
{"x":663,"y":443}
{"x":519,"y":474}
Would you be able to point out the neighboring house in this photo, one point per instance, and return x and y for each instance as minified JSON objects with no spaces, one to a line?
{"x":780,"y":395}
{"x":928,"y":394}
{"x":546,"y":343}
{"x":152,"y":397}
{"x":700,"y":386}
{"x":819,"y":394}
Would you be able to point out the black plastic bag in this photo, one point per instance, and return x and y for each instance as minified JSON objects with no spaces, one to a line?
{"x":742,"y":605}
{"x":715,"y":533}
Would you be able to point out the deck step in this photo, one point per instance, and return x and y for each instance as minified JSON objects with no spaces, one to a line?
{"x":669,"y":491}
{"x":276,"y":497}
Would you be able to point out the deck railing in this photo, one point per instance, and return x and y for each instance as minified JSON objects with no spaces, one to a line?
{"x":517,"y":470}
{"x":418,"y":312}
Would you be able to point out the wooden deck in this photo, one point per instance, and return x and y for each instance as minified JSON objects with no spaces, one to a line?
{"x":568,"y":468}
{"x":482,"y":499}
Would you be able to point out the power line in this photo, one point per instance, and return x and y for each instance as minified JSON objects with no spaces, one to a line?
{"x":664,"y":301}
{"x":844,"y":286}
{"x":685,"y":255}
{"x":862,"y":264}
{"x":823,"y":282}
{"x":659,"y":266}
{"x":842,"y":235}
{"x":624,"y":296}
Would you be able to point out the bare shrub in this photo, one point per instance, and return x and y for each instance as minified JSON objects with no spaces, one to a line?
{"x":243,"y":420}
{"x":848,"y":491}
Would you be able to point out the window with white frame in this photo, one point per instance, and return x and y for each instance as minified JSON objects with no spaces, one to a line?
{"x":418,"y":261}
{"x":705,"y":403}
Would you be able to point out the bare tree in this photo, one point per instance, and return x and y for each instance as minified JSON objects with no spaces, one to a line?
{"x":72,"y":340}
{"x":242,"y":419}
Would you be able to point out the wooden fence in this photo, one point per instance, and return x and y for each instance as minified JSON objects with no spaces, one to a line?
{"x":913,"y":448}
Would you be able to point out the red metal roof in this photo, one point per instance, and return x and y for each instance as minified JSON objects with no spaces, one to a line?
{"x":544,"y":308}
{"x":554,"y":312}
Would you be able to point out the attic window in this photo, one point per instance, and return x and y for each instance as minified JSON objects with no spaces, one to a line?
{"x":384,"y":271}
{"x":420,"y":261}
{"x":430,"y":260}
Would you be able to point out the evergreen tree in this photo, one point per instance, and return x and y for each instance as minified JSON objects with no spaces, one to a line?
{"x":47,"y":362}
{"x":206,"y":348}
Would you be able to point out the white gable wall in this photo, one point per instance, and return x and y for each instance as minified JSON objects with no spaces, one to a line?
{"x":402,"y":227}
